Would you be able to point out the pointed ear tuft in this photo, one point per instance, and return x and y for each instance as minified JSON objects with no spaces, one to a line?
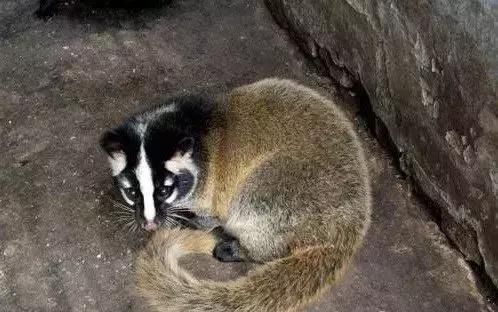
{"x":186,"y":146}
{"x":111,"y":142}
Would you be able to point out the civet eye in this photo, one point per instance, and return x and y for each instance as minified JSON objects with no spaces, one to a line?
{"x":164,"y":191}
{"x":131,"y":193}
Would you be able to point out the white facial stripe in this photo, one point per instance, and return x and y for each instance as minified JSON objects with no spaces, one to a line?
{"x":126,"y":183}
{"x":145,"y":119}
{"x":169,"y":181}
{"x":172,"y":197}
{"x":141,"y":128}
{"x":144,"y":177}
{"x":117,"y":161}
{"x":181,"y":162}
{"x":166,"y":109}
{"x":129,"y":201}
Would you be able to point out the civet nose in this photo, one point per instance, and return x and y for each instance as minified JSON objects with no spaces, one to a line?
{"x":150,"y":226}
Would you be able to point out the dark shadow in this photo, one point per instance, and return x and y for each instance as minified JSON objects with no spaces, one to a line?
{"x":99,"y":10}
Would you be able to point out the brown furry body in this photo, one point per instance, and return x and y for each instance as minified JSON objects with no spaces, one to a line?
{"x":287,"y":177}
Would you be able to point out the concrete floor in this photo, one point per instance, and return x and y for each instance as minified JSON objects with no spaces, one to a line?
{"x":62,"y":82}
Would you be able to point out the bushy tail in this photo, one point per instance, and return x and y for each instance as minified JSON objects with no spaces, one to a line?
{"x":281,"y":285}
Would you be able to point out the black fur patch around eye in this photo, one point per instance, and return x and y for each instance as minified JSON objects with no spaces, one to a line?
{"x":185,"y":182}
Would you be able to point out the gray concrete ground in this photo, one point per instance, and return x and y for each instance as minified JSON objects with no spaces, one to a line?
{"x":63,"y":81}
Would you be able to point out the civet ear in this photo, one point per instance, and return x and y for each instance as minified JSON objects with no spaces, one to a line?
{"x":112,"y":143}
